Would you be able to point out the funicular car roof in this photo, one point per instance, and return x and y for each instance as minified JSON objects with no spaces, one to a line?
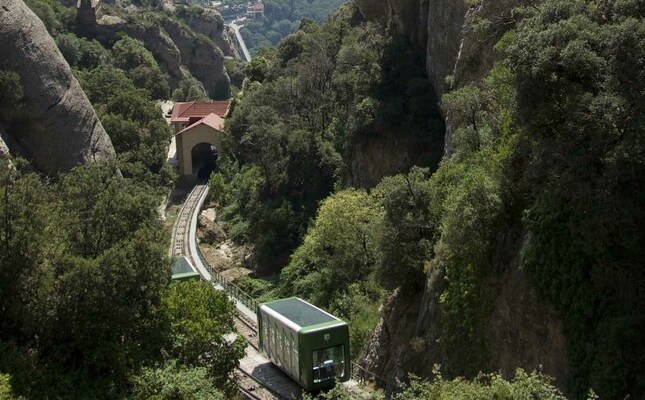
{"x":300,"y":312}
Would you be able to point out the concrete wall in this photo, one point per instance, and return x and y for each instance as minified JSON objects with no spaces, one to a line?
{"x":187,"y":140}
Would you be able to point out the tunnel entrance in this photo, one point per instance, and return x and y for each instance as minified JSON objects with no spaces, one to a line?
{"x":204,"y":158}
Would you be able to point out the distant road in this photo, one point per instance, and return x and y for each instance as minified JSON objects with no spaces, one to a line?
{"x":240,"y":40}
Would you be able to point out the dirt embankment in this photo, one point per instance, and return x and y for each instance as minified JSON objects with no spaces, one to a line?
{"x":231,"y":259}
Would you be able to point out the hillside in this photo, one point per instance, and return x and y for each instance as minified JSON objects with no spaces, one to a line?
{"x":521,"y":248}
{"x":460,"y":180}
{"x":281,"y":18}
{"x":86,"y":305}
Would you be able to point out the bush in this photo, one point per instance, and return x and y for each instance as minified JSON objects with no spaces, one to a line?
{"x":172,"y":382}
{"x":485,"y":387}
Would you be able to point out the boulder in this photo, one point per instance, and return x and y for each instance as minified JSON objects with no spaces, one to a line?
{"x":209,"y":231}
{"x":61,"y":129}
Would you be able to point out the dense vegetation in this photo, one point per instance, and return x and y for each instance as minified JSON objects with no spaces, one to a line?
{"x":546,"y":161}
{"x":305,"y":107}
{"x":84,"y":297}
{"x":86,"y":306}
{"x":485,"y":387}
{"x":546,"y":151}
{"x":281,"y":18}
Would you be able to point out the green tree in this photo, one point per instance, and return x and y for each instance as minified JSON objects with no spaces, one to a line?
{"x":579,"y":88}
{"x":524,"y":385}
{"x":408,"y":230}
{"x":340,"y":248}
{"x":172,"y":382}
{"x":189,"y":89}
{"x":6,"y":392}
{"x":132,"y":56}
{"x":198,"y":319}
{"x":11,"y":95}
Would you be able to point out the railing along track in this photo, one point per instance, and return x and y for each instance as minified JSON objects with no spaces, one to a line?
{"x":250,"y":386}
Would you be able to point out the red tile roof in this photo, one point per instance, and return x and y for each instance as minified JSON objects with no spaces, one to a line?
{"x":184,"y":112}
{"x":213,"y":120}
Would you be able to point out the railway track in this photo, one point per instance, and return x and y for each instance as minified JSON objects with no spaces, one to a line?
{"x":257,"y":377}
{"x":182,"y":228}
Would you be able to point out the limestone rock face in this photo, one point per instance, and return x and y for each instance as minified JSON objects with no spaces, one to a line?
{"x":155,"y":39}
{"x":445,"y":25}
{"x":522,"y":330}
{"x":64,"y":130}
{"x":204,"y":60}
{"x":4,"y":149}
{"x":178,"y":51}
{"x":211,"y":24}
{"x":434,"y":28}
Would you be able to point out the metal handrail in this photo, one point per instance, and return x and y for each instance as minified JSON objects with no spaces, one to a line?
{"x":362,"y":374}
{"x":232,"y":289}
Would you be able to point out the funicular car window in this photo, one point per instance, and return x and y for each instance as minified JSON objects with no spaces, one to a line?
{"x":329,"y":363}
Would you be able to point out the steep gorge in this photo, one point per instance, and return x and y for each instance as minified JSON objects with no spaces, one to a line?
{"x":522,"y":330}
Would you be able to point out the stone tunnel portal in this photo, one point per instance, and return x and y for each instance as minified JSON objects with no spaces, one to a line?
{"x":204,"y":158}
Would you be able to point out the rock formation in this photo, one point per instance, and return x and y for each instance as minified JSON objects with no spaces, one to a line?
{"x":210,"y":23}
{"x":178,"y":50}
{"x":522,"y":331}
{"x":61,"y":129}
{"x":434,"y":27}
{"x":4,"y":149}
{"x":209,"y":231}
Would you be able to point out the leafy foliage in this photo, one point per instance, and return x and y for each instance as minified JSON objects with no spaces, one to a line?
{"x":305,"y":108}
{"x":11,"y":94}
{"x":189,"y":89}
{"x":5,"y":388}
{"x":199,"y":317}
{"x":579,"y":70}
{"x":171,"y":382}
{"x":281,"y":18}
{"x":139,"y":134}
{"x":524,"y":385}
{"x":84,"y":295}
{"x":340,"y":248}
{"x":82,"y":53}
{"x":56,"y":17}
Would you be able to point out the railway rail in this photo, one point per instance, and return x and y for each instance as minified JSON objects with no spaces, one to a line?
{"x":257,"y":377}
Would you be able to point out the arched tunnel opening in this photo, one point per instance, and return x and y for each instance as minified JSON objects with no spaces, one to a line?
{"x":204,"y":157}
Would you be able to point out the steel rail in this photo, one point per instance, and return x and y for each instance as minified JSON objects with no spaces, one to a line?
{"x":184,"y":232}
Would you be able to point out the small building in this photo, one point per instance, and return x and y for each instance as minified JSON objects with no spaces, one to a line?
{"x":255,"y":10}
{"x":185,"y":114}
{"x":197,"y":147}
{"x":198,"y":126}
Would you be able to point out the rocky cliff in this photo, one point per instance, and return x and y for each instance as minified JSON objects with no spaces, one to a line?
{"x":434,"y":27}
{"x":522,"y":331}
{"x":179,"y":50}
{"x":60,"y":128}
{"x":210,"y":23}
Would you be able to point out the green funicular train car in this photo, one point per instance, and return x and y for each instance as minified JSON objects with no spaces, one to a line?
{"x":307,"y":343}
{"x":182,"y":271}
